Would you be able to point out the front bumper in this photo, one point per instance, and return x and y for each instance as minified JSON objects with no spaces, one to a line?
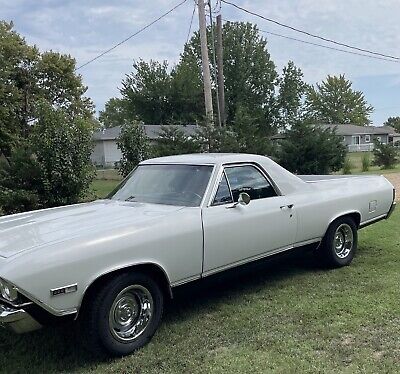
{"x":17,"y":320}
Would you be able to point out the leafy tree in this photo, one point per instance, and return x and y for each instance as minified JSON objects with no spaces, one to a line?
{"x":17,"y":61}
{"x":334,"y":101}
{"x":291,"y":91}
{"x":146,"y":92}
{"x":216,"y":139}
{"x":385,"y":155}
{"x":134,"y":146}
{"x":53,"y":167}
{"x":249,"y":72}
{"x":393,"y":122}
{"x":44,"y":118}
{"x":173,"y":141}
{"x":114,"y":113}
{"x":310,"y":149}
{"x":252,"y":137}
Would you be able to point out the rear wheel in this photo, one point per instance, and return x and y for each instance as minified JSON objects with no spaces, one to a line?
{"x":124,"y":314}
{"x":340,"y":243}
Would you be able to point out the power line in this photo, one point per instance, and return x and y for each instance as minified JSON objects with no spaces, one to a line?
{"x":131,"y":36}
{"x":323,"y":46}
{"x":191,"y":22}
{"x":308,"y":33}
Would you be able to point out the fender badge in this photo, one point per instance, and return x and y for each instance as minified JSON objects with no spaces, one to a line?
{"x":64,"y":290}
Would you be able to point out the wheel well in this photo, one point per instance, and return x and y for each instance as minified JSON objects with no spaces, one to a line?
{"x":151,"y":269}
{"x":355,"y":216}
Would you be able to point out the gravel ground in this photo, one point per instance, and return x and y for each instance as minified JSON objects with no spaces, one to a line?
{"x":395,"y":180}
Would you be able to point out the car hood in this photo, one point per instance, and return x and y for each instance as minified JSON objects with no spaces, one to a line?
{"x":26,"y":231}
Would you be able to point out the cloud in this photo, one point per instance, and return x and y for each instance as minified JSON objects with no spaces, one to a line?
{"x":86,"y":28}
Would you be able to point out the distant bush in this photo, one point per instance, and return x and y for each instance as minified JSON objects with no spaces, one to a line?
{"x":385,"y":155}
{"x":347,"y":166}
{"x":51,"y":167}
{"x":366,"y":161}
{"x":134,"y":146}
{"x":309,"y":149}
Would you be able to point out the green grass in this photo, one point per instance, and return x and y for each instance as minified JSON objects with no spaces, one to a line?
{"x":280,"y":316}
{"x":101,"y":188}
{"x":356,"y":162}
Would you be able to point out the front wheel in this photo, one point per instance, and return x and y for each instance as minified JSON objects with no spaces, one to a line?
{"x":124,"y":314}
{"x":340,"y":243}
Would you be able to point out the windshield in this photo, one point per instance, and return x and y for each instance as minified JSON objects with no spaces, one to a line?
{"x":182,"y":185}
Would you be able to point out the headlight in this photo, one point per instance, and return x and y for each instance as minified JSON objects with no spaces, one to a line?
{"x":8,"y":291}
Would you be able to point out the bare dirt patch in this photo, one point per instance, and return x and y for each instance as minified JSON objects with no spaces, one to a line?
{"x":394,"y":178}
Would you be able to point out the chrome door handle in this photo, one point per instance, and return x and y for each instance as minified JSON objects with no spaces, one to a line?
{"x":289,"y":206}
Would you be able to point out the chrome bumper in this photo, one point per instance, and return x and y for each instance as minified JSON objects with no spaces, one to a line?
{"x":17,"y":320}
{"x":392,"y":208}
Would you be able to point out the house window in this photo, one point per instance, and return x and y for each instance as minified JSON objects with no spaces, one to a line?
{"x":355,"y":139}
{"x":367,"y":138}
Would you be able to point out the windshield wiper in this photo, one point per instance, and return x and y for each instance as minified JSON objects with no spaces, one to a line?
{"x":130,"y":198}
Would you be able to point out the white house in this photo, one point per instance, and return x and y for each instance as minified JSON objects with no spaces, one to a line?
{"x":361,"y":138}
{"x":106,"y":152}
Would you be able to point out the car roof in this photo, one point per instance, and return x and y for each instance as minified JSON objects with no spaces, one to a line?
{"x":206,"y":158}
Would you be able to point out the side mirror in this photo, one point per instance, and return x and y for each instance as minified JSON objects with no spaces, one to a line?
{"x":244,"y":198}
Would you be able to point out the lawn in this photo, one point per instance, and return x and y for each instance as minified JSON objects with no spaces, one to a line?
{"x":284,"y":315}
{"x":356,"y":163}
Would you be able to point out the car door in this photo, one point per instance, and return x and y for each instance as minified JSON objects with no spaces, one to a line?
{"x":235,"y":233}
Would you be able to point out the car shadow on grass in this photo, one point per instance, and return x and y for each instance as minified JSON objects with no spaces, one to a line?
{"x":60,"y":348}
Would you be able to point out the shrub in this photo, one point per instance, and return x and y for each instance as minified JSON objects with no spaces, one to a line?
{"x":309,"y":149}
{"x":366,"y":161}
{"x":51,"y":167}
{"x":347,"y":166}
{"x":173,"y":141}
{"x":385,"y":155}
{"x":134,"y":146}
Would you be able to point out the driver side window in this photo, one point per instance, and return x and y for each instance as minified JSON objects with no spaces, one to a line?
{"x":248,"y":179}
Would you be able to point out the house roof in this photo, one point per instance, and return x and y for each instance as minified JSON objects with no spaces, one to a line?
{"x":360,"y":130}
{"x":152,"y":131}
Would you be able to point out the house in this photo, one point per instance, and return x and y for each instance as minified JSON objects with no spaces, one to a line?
{"x":361,"y":138}
{"x":106,"y":152}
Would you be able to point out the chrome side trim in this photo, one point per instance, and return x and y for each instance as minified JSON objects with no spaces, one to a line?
{"x":372,"y":220}
{"x":261,"y":256}
{"x":186,"y":280}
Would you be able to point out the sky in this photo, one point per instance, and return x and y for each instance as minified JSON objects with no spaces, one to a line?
{"x":84,"y":29}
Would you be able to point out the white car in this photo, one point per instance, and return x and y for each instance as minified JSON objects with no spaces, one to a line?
{"x":111,"y":263}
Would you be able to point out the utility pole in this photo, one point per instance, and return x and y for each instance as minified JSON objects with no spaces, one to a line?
{"x":205,"y":63}
{"x":220,"y":70}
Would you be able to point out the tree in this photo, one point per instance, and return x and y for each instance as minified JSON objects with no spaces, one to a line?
{"x":385,"y":155}
{"x":53,"y":167}
{"x":291,"y":91}
{"x":393,"y":122}
{"x":249,"y":72}
{"x":134,"y":146}
{"x":45,"y":126}
{"x":334,"y":101}
{"x":173,"y":141}
{"x":309,"y":149}
{"x":114,"y":114}
{"x":146,"y":92}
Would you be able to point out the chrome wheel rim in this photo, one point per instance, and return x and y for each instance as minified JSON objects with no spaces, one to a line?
{"x":131,"y":313}
{"x":343,"y":240}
